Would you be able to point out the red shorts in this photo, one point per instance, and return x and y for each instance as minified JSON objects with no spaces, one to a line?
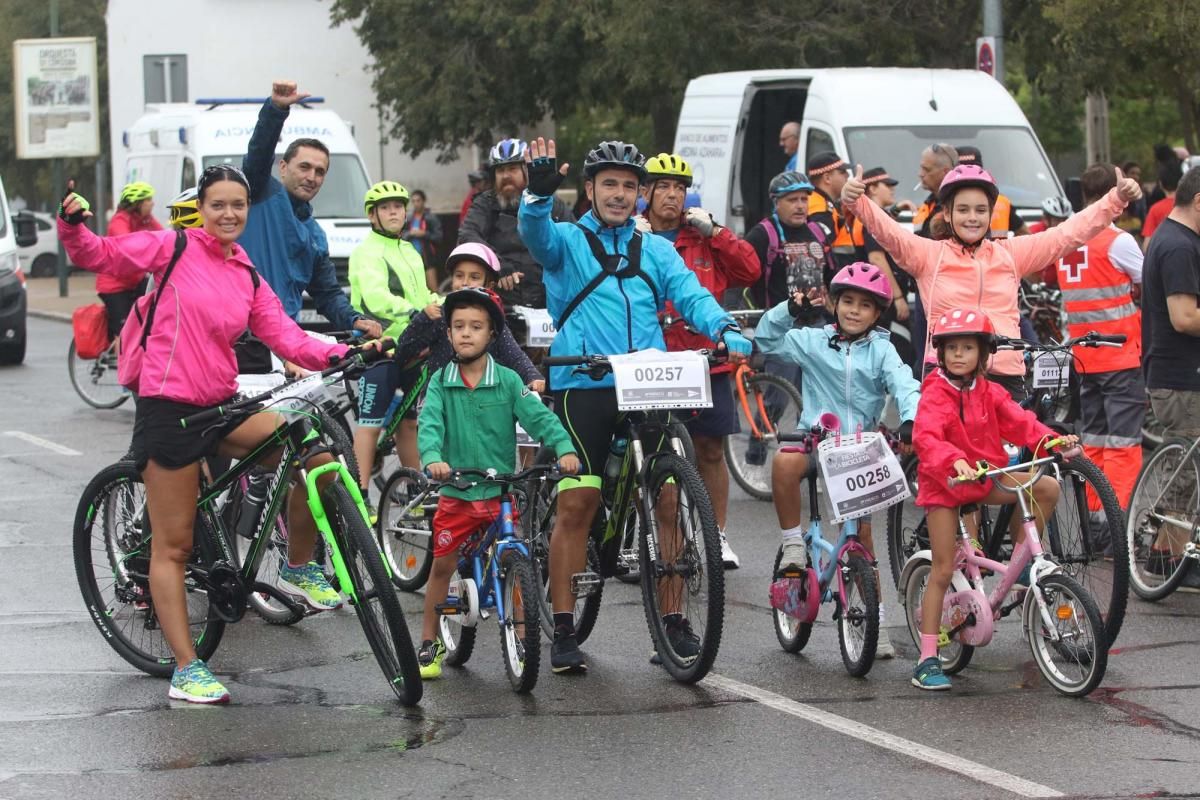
{"x":461,"y":522}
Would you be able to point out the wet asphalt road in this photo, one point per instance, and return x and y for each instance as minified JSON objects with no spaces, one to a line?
{"x":312,"y":716}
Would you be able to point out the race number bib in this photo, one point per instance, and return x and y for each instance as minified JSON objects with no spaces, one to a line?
{"x":652,"y":379}
{"x":1052,"y":371}
{"x":862,"y":475}
{"x":298,"y":399}
{"x":539,"y":328}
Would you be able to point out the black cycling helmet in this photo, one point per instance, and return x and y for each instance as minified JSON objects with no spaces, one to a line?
{"x":475,"y":296}
{"x":615,"y":155}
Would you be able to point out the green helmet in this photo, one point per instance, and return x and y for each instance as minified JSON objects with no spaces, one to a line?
{"x":136,"y":192}
{"x":384,"y":190}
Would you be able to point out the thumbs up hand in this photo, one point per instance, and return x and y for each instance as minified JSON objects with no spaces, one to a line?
{"x":1128,"y":188}
{"x":854,"y":187}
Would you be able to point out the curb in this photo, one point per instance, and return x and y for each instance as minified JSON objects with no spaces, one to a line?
{"x":57,"y":316}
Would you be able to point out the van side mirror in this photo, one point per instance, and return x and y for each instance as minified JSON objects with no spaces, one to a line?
{"x":25,"y":228}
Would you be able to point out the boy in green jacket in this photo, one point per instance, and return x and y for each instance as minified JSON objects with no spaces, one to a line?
{"x":468,"y":421}
{"x":387,"y":284}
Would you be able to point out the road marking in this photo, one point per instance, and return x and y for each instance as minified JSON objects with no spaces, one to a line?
{"x":62,"y":450}
{"x":887,"y":741}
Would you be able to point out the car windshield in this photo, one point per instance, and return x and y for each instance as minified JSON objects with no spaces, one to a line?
{"x":342,"y":193}
{"x":1012,"y":156}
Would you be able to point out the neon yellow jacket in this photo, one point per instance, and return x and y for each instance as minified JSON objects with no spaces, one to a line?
{"x":387,"y":282}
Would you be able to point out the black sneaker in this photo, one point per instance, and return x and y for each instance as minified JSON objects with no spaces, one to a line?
{"x":681,"y":637}
{"x":565,"y":655}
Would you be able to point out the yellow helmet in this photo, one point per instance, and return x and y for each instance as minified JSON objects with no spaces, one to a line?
{"x":185,"y":211}
{"x":668,"y":165}
{"x":136,"y":192}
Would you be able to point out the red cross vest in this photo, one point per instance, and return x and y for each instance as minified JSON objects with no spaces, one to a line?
{"x":1096,"y":298}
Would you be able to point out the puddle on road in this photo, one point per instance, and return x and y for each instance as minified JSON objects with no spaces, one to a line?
{"x":1140,"y":716}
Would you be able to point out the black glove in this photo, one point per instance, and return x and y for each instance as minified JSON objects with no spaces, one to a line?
{"x":544,"y":178}
{"x":905,"y":431}
{"x":77,"y":217}
{"x":796,"y":309}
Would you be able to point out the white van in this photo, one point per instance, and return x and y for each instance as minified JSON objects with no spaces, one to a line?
{"x":172,"y":143}
{"x":15,"y":232}
{"x":729,"y":131}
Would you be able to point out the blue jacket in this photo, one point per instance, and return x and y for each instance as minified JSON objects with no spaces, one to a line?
{"x":283,"y":240}
{"x":851,"y":381}
{"x":620,"y":316}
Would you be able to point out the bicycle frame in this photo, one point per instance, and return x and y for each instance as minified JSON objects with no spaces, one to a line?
{"x":740,"y":379}
{"x":831,"y":557}
{"x":501,"y":537}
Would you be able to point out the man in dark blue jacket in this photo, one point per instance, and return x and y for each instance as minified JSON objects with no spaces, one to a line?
{"x":282,"y":239}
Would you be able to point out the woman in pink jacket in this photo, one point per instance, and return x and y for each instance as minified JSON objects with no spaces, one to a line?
{"x":189,"y":365}
{"x":970,"y":270}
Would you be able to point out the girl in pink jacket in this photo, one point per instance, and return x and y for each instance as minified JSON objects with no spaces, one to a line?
{"x":188,"y":365}
{"x":971,"y":270}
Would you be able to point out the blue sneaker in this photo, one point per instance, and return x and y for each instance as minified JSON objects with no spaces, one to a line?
{"x":196,"y":684}
{"x":308,"y":583}
{"x":928,"y":675}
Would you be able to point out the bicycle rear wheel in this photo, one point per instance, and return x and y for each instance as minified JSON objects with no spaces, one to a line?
{"x":520,"y":631}
{"x":748,"y":456}
{"x":112,"y":540}
{"x":1087,"y":545}
{"x":858,"y":622}
{"x":682,"y":572}
{"x":275,"y":550}
{"x":373,"y":597}
{"x":791,"y":632}
{"x":1075,"y":664}
{"x":1167,"y":489}
{"x":405,"y":530}
{"x":95,"y":379}
{"x":954,"y":657}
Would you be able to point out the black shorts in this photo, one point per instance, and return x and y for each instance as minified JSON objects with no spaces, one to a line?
{"x":722,"y":418}
{"x":591,"y":419}
{"x":118,"y":305}
{"x":376,"y":388}
{"x":157,"y":434}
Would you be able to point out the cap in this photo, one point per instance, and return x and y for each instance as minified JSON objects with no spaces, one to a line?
{"x":969,"y":155}
{"x":878,"y":175}
{"x":475,"y":176}
{"x":825,"y":162}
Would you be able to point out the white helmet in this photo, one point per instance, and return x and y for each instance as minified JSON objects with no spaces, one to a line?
{"x":1057,"y":207}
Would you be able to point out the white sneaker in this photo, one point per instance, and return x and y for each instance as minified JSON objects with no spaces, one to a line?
{"x":795,"y":554}
{"x":727,"y":555}
{"x":883,"y":646}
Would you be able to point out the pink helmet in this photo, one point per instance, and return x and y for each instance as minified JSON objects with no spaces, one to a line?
{"x":964,"y":176}
{"x":473,"y":251}
{"x":865,"y":278}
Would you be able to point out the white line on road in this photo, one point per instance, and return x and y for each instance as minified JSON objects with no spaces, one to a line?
{"x":887,"y":741}
{"x":62,"y":450}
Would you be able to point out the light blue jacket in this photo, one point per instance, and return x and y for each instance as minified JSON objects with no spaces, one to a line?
{"x":851,"y":381}
{"x":620,"y":316}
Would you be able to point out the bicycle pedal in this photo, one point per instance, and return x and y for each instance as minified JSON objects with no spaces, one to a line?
{"x":450,"y":608}
{"x":584,"y":584}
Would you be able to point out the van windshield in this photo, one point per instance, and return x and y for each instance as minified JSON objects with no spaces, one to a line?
{"x":1012,"y":156}
{"x":341,"y":195}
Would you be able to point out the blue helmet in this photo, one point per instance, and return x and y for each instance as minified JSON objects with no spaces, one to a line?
{"x":788,"y":182}
{"x":508,"y":151}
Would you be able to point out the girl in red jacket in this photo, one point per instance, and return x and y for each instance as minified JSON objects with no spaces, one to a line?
{"x":962,"y":419}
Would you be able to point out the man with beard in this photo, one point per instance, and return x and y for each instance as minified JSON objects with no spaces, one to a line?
{"x":492,"y":220}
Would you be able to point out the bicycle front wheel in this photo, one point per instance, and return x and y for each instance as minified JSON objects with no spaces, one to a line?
{"x":907,"y":531}
{"x":1162,"y":515}
{"x":373,"y":596}
{"x":405,"y":528}
{"x":858,"y":621}
{"x":95,"y":379}
{"x":112,"y":540}
{"x":1075,"y":663}
{"x":520,"y":632}
{"x":683,"y":577}
{"x":274,"y":551}
{"x":748,"y":456}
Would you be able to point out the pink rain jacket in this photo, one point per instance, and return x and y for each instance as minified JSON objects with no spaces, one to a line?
{"x":206,"y":305}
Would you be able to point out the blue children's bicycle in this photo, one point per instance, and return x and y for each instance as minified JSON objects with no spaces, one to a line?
{"x":496,"y":573}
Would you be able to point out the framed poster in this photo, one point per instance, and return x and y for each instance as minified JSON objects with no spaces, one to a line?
{"x":55,"y":93}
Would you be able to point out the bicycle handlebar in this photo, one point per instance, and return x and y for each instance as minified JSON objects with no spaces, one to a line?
{"x":1092,"y":339}
{"x":984,"y":470}
{"x":602,"y":362}
{"x":458,"y":478}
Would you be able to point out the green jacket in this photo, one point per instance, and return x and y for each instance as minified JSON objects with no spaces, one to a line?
{"x":387,"y":282}
{"x":476,"y":428}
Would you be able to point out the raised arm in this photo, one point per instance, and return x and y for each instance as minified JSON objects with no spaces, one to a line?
{"x":260,"y":155}
{"x":916,"y":253}
{"x":538,"y":231}
{"x":122,"y":256}
{"x":1032,"y":253}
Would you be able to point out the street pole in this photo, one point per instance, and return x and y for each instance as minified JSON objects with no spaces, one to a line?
{"x":56,"y":174}
{"x":993,"y":25}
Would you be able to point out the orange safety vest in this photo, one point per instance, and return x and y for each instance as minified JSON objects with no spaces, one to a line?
{"x":923,"y":213}
{"x":818,"y":204}
{"x":1096,"y":298}
{"x":1001,"y":215}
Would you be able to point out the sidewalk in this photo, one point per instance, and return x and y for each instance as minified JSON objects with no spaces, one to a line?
{"x":43,"y":300}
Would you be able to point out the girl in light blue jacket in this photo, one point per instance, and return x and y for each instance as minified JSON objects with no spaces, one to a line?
{"x":849,"y":368}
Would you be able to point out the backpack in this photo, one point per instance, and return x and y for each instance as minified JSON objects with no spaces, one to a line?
{"x":90,"y":327}
{"x":610,"y":264}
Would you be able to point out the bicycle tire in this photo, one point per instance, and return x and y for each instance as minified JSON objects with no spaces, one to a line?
{"x":956,"y":656}
{"x":858,"y":623}
{"x":791,"y":632}
{"x":702,"y":564}
{"x":458,"y":639}
{"x":520,"y":633}
{"x":755,"y":479}
{"x":271,"y":611}
{"x":1077,"y":542}
{"x":406,"y":539}
{"x":121,"y":565}
{"x":907,"y":530}
{"x":1082,"y":609}
{"x":1141,"y":528}
{"x":339,"y":441}
{"x":85,"y":372}
{"x":372,"y":595}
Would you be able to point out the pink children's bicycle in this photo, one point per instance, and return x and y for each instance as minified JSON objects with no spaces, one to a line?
{"x":1061,"y":621}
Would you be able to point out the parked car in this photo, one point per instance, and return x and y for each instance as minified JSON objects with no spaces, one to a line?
{"x":14,"y":234}
{"x":40,"y":260}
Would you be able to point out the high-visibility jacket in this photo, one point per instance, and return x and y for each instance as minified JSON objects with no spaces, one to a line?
{"x":818,"y":203}
{"x":1001,"y":217}
{"x":1096,"y":297}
